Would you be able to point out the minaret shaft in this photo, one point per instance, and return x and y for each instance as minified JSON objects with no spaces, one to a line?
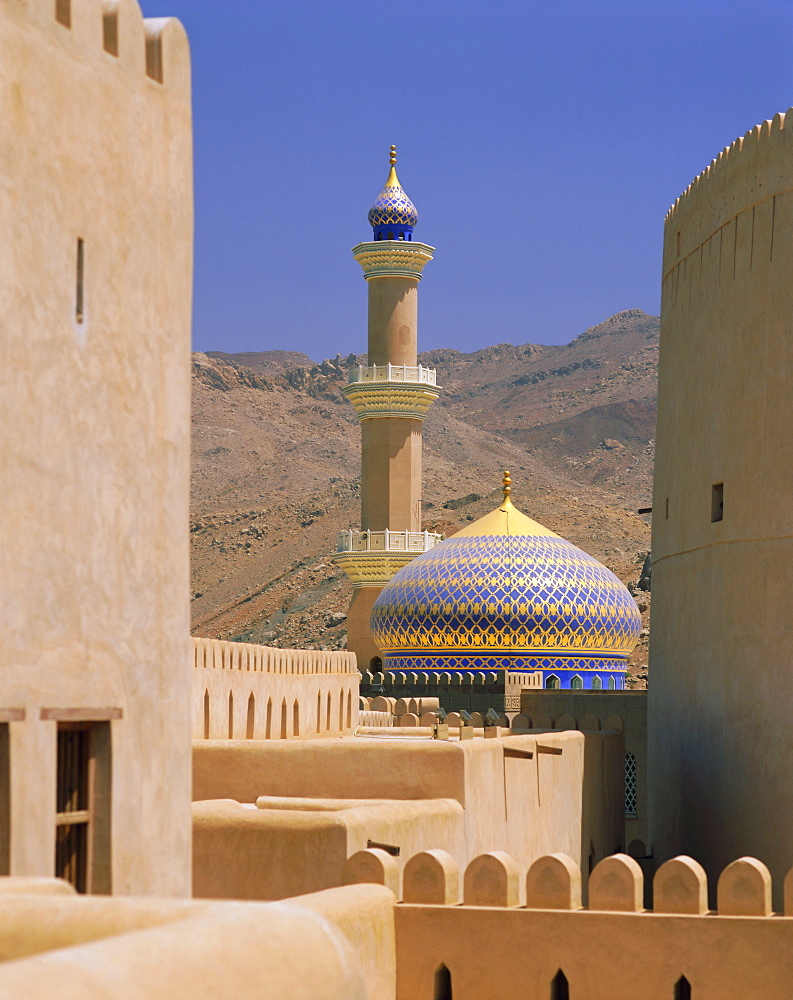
{"x":391,"y":474}
{"x":393,"y":321}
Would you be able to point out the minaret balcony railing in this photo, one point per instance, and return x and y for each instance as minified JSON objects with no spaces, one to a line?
{"x":387,"y":541}
{"x":416,"y":374}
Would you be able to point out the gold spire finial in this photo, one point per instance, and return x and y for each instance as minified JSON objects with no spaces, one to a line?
{"x":392,"y":159}
{"x":507,"y":485}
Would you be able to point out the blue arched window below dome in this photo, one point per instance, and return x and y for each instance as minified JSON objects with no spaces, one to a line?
{"x":576,"y":683}
{"x":597,"y":683}
{"x":612,"y":683}
{"x":552,"y":682}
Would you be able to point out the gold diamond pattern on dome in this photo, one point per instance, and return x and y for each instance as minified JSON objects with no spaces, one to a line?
{"x":528,"y":594}
{"x":392,"y":206}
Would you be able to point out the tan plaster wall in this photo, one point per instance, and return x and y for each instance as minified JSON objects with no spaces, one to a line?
{"x":720,"y":741}
{"x":393,"y":321}
{"x":297,"y":693}
{"x":359,"y":636}
{"x":515,"y":953}
{"x":548,"y":803}
{"x":329,"y":946}
{"x":390,"y":474}
{"x":607,"y":708}
{"x":95,"y":422}
{"x":288,"y":849}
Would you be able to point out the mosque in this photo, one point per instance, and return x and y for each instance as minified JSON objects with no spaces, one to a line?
{"x":505,"y":595}
{"x":197,"y":818}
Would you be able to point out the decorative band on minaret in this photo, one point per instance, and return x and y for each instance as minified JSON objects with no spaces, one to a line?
{"x":391,"y":396}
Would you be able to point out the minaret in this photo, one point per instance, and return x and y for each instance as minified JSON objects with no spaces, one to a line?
{"x":391,"y":396}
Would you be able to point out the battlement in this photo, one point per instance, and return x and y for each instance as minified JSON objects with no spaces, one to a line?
{"x":218,"y":654}
{"x":744,"y":174}
{"x":554,"y":882}
{"x":112,"y":33}
{"x":461,"y":933}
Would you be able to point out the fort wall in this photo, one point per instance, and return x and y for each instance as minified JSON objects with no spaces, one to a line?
{"x":245,"y":691}
{"x":720,"y":649}
{"x":530,"y":794}
{"x":95,"y":302}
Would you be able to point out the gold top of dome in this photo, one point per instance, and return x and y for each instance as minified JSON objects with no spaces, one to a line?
{"x":505,"y":520}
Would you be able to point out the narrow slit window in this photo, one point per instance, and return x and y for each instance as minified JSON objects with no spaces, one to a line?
{"x":63,"y":12}
{"x":682,"y":989}
{"x":667,"y":508}
{"x":560,"y":989}
{"x":79,"y":295}
{"x":110,"y":32}
{"x":5,"y":800}
{"x":717,"y":503}
{"x":442,"y":986}
{"x":154,"y":58}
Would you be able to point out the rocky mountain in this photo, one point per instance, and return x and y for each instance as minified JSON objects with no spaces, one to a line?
{"x":276,"y":454}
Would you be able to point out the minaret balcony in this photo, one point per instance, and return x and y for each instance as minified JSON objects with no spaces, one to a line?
{"x":371,"y":558}
{"x":393,"y":373}
{"x":388,"y":541}
{"x":405,"y":391}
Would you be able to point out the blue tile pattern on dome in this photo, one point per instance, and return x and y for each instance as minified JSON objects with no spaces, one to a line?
{"x":393,"y":208}
{"x":536,"y":601}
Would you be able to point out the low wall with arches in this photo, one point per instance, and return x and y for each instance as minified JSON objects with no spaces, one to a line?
{"x":499,"y":929}
{"x":244,"y":691}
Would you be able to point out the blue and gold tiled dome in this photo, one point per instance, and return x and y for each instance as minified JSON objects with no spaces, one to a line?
{"x":507,"y":593}
{"x":393,"y":215}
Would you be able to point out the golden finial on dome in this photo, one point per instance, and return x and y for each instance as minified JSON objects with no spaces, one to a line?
{"x":507,"y":485}
{"x":392,"y":158}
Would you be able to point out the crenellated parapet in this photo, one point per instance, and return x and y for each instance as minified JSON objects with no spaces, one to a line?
{"x":392,"y":258}
{"x":745,"y":174}
{"x":555,"y":882}
{"x":151,"y":48}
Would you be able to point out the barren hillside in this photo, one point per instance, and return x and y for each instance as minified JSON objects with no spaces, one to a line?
{"x":276,"y":468}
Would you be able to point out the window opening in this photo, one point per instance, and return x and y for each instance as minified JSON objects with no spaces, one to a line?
{"x":82,"y":805}
{"x":154,"y":57}
{"x":5,"y":801}
{"x":443,"y":984}
{"x":341,"y":711}
{"x":251,"y":719}
{"x":327,"y":714}
{"x":576,"y":683}
{"x":349,"y":709}
{"x":717,"y":503}
{"x":110,"y":32}
{"x":63,"y":12}
{"x":295,"y":718}
{"x":630,"y":784}
{"x":597,"y":683}
{"x":682,"y":989}
{"x":231,"y":715}
{"x":283,"y":719}
{"x":319,"y":711}
{"x":560,"y":990}
{"x":552,"y":682}
{"x":612,"y":684}
{"x":268,"y":729}
{"x":79,"y":296}
{"x":206,"y":715}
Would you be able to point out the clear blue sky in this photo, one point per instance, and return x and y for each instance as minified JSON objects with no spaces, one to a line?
{"x":542,"y":143}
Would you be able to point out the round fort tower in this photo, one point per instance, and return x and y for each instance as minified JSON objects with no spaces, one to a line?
{"x":391,"y":396}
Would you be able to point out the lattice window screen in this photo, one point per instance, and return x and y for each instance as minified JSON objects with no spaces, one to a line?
{"x":630,"y":784}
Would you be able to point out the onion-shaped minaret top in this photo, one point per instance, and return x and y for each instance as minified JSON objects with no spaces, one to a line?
{"x":393,"y":215}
